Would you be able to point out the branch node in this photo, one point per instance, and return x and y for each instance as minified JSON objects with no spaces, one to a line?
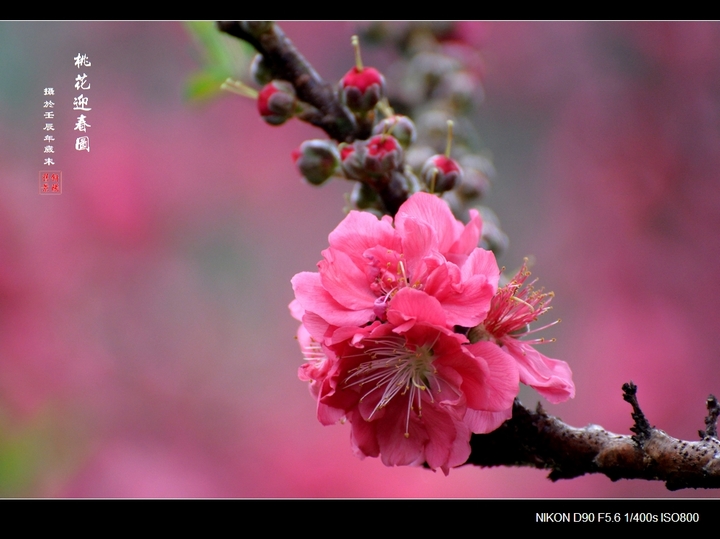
{"x":713,"y":408}
{"x":642,"y":428}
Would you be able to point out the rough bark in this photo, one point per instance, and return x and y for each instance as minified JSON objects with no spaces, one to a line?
{"x":533,"y":438}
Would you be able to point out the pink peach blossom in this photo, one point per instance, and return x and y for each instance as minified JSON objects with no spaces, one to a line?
{"x":413,"y":390}
{"x":513,"y":308}
{"x":369,"y":260}
{"x":378,"y":335}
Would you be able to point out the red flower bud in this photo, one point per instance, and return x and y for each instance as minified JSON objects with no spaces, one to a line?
{"x":399,"y":126}
{"x":361,"y":89}
{"x":346,"y":150}
{"x":383,"y":155}
{"x":351,"y":157}
{"x":376,"y":157}
{"x":276,"y":102}
{"x":441,"y":173}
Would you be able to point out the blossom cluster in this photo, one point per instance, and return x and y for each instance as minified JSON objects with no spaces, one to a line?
{"x":409,"y":338}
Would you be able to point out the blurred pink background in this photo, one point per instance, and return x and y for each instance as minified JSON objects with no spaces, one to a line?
{"x":146,"y":348}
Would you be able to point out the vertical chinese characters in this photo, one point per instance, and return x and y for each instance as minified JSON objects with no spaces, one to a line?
{"x":49,"y":126}
{"x":50,"y":180}
{"x":81,"y":103}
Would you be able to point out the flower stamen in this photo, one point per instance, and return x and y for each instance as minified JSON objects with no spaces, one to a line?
{"x":513,"y":308}
{"x":399,"y":369}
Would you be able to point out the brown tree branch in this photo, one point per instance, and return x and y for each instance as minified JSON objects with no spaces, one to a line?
{"x":541,"y":441}
{"x":326,"y":112}
{"x":286,"y":63}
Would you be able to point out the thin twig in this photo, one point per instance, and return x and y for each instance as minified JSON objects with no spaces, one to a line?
{"x":326,"y":111}
{"x":713,"y":409}
{"x":641,"y":428}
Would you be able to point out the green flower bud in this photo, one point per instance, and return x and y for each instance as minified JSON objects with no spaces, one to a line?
{"x":318,"y":160}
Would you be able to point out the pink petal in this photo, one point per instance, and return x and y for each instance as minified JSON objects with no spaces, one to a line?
{"x":345,"y":281}
{"x":442,"y":432}
{"x":482,"y":262}
{"x":363,"y":438}
{"x":395,"y":448}
{"x":296,"y":310}
{"x":434,"y":212}
{"x":499,"y":384}
{"x":481,"y":422}
{"x":551,"y":378}
{"x":410,"y":306}
{"x":470,"y":236}
{"x":360,"y":231}
{"x":316,"y":326}
{"x":460,"y":450}
{"x":467,"y":302}
{"x":327,"y":415}
{"x":331,"y":400}
{"x":418,"y":241}
{"x":314,"y":298}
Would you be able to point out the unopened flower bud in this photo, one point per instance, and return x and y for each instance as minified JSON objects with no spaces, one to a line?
{"x":398,"y":187}
{"x":277,"y":102}
{"x":376,"y":157}
{"x":362,"y":87}
{"x":432,"y":124}
{"x":429,"y":68}
{"x":399,"y":126}
{"x":477,"y":172}
{"x":413,"y":183}
{"x":351,"y":160}
{"x":383,"y":154}
{"x":418,"y":154}
{"x":361,"y":90}
{"x":318,"y":160}
{"x":493,"y":238}
{"x":441,"y":173}
{"x":363,"y":197}
{"x":461,"y":88}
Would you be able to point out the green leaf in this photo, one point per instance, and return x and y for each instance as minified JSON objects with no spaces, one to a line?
{"x":204,"y":84}
{"x":223,"y":57}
